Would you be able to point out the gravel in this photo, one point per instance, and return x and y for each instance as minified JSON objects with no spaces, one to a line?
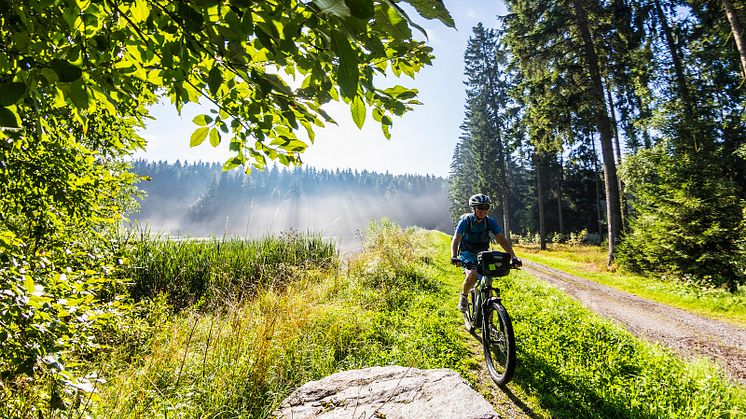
{"x":688,"y":334}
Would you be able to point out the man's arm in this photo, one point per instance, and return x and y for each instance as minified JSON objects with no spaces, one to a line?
{"x":455,"y":242}
{"x":505,"y":243}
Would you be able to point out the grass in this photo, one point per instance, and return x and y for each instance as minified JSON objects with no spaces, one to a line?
{"x":395,"y":304}
{"x":589,"y":262}
{"x":209,"y":271}
{"x":387,"y":308}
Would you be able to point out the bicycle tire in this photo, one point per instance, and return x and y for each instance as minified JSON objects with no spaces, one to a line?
{"x":469,"y":321}
{"x":498,"y":341}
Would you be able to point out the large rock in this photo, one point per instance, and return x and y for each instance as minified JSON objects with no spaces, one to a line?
{"x":387,"y":392}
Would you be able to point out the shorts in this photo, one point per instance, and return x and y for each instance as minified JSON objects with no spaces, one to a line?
{"x":468,"y":258}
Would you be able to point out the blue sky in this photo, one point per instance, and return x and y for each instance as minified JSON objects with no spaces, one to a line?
{"x":422,"y":141}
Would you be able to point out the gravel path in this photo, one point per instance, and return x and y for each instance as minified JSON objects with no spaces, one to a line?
{"x":688,"y":334}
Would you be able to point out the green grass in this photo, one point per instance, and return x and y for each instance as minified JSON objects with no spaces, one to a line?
{"x":388,"y":308}
{"x":209,"y":271}
{"x":589,"y":262}
{"x":395,"y":304}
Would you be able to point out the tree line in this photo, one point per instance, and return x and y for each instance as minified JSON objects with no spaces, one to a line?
{"x":196,"y":198}
{"x":622,"y":117}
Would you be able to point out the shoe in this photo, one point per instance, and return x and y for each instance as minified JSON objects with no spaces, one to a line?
{"x":463,"y":303}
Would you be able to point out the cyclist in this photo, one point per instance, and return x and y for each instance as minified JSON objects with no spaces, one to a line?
{"x":473,"y":236}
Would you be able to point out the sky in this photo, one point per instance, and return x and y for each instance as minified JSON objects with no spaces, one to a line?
{"x":422,"y":140}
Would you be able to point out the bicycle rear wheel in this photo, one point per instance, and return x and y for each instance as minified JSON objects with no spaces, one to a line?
{"x":499,"y":343}
{"x":469,"y":321}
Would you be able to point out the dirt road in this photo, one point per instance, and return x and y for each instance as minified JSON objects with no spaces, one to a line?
{"x":688,"y":334}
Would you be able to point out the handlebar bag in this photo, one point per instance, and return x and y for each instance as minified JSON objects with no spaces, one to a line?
{"x":493,"y":263}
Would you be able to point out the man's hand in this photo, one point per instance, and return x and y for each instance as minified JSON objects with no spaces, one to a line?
{"x":455,"y":261}
{"x":516,"y":263}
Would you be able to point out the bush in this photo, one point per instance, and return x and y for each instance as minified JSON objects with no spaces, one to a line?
{"x":687,"y":220}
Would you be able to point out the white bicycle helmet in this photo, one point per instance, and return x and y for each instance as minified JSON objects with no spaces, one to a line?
{"x":479,"y":199}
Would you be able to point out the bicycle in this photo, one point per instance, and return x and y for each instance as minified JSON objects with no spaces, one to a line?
{"x":486,"y":312}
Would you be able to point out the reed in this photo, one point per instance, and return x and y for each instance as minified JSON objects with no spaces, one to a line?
{"x":213,"y":272}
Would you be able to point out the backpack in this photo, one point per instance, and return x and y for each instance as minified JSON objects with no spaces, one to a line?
{"x":471,"y":245}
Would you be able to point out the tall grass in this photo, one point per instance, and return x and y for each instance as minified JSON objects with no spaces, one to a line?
{"x":213,"y":272}
{"x":243,"y":361}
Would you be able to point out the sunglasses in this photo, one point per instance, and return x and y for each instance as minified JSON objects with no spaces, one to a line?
{"x":483,"y":207}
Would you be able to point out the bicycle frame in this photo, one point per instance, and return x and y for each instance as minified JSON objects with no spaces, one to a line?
{"x":484,"y":284}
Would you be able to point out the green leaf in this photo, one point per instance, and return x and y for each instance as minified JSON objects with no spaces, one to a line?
{"x":232,"y":163}
{"x":401,"y":92}
{"x":432,"y":9}
{"x":214,"y":137}
{"x":191,"y":18}
{"x":202,"y":120}
{"x":347,"y":73}
{"x":66,"y":71}
{"x":28,"y":284}
{"x":357,"y":107}
{"x":79,"y":94}
{"x":362,"y":9}
{"x":385,"y":129}
{"x":140,"y":10}
{"x":334,"y":7}
{"x":214,"y":80}
{"x":198,"y":136}
{"x":390,"y":22}
{"x":11,"y":93}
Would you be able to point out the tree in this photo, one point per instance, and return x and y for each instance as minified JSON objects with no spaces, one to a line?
{"x":75,"y":79}
{"x":91,"y":56}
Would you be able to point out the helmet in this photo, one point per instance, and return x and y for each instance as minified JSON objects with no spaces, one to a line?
{"x":479,"y":199}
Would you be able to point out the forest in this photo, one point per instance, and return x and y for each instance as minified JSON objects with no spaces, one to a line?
{"x":621,"y":118}
{"x":201,"y":199}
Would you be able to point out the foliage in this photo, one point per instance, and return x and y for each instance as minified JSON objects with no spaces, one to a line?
{"x":76,"y":77}
{"x":688,"y":219}
{"x":639,"y":57}
{"x":94,"y":56}
{"x":58,"y":267}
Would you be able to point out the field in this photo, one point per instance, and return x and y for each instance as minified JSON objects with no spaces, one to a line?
{"x":393,"y":304}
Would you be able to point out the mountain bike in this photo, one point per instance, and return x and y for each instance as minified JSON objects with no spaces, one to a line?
{"x":486,"y":312}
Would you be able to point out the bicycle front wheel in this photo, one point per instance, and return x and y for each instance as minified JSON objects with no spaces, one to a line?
{"x":499,"y":343}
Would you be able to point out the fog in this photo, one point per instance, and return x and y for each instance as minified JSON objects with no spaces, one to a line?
{"x":198,"y":200}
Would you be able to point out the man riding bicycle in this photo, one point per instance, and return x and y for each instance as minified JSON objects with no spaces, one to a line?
{"x":473,"y":236}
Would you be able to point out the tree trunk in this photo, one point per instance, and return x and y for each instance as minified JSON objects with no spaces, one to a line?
{"x":598,"y":189}
{"x":618,"y":149}
{"x":737,"y":33}
{"x":540,"y":192}
{"x":677,"y":65}
{"x":505,"y":188}
{"x":604,"y":127}
{"x":560,"y":181}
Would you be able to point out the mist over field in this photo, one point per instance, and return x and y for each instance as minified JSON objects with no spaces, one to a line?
{"x":200,"y":200}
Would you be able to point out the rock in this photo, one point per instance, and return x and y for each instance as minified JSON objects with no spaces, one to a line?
{"x":387,"y":392}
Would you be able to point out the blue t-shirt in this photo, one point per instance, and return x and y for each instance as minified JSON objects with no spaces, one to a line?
{"x":478,"y":239}
{"x":476,"y":227}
